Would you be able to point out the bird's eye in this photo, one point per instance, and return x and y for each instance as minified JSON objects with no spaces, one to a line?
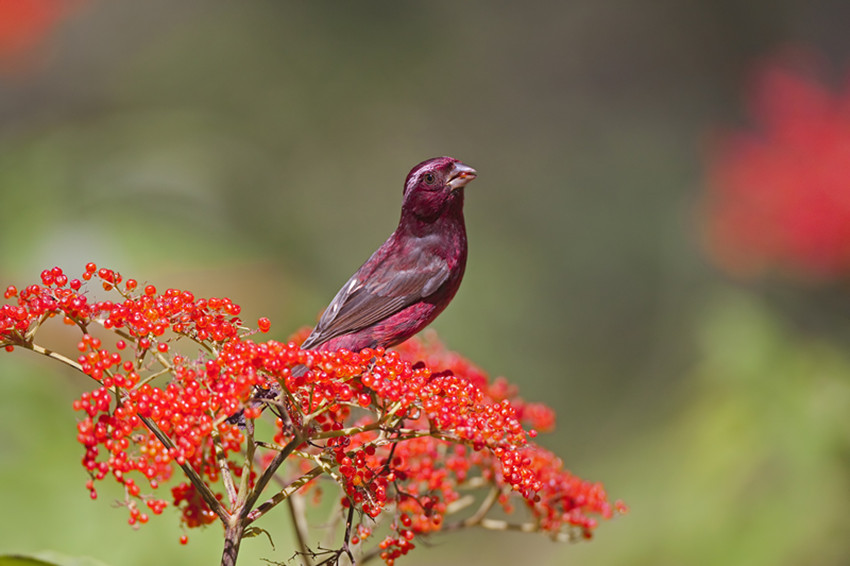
{"x":429,"y":178}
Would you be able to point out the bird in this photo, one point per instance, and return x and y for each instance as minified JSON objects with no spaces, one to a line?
{"x":409,"y":280}
{"x":413,"y":276}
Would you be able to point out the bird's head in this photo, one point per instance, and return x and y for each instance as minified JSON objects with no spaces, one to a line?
{"x":433,"y":185}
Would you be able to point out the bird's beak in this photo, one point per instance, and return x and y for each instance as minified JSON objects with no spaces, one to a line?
{"x":461,"y":174}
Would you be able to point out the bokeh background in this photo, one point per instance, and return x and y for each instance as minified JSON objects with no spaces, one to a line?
{"x":257,"y":150}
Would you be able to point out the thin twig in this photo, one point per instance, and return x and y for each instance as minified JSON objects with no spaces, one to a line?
{"x":31,"y":332}
{"x":282,"y":495}
{"x":202,"y":488}
{"x":271,"y":469}
{"x":51,"y":354}
{"x":479,"y":515}
{"x":297,"y":511}
{"x":224,"y":468}
{"x":153,"y":376}
{"x":459,"y":505}
{"x":248,"y":466}
{"x":349,"y":522}
{"x":347,"y":431}
{"x":333,"y":521}
{"x":530,"y":527}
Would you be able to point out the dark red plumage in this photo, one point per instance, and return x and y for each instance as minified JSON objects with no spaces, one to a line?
{"x":414,"y":275}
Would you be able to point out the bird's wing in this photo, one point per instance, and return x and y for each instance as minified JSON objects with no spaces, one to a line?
{"x":381,"y":287}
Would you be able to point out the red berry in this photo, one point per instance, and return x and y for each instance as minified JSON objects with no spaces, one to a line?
{"x":264,"y":324}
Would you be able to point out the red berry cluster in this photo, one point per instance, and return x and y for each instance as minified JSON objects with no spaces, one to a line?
{"x":195,"y":512}
{"x":401,"y":432}
{"x":116,"y":440}
{"x":555,"y":497}
{"x":426,"y":433}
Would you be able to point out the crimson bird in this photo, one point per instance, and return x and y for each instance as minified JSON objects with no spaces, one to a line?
{"x":413,"y":276}
{"x":410,"y":279}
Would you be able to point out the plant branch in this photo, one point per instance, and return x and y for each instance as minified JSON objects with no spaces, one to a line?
{"x":197,"y":481}
{"x":270,"y":470}
{"x":294,"y":486}
{"x":479,"y":515}
{"x":51,"y":354}
{"x":221,"y":460}
{"x":347,"y":431}
{"x":297,"y":511}
{"x":530,"y":527}
{"x":248,"y":466}
{"x":233,"y":533}
{"x":204,"y":490}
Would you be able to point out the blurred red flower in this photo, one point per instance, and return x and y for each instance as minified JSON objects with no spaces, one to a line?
{"x":24,"y":27}
{"x":778,"y":194}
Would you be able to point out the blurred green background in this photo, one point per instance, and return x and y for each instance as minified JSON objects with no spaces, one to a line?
{"x":257,"y":150}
